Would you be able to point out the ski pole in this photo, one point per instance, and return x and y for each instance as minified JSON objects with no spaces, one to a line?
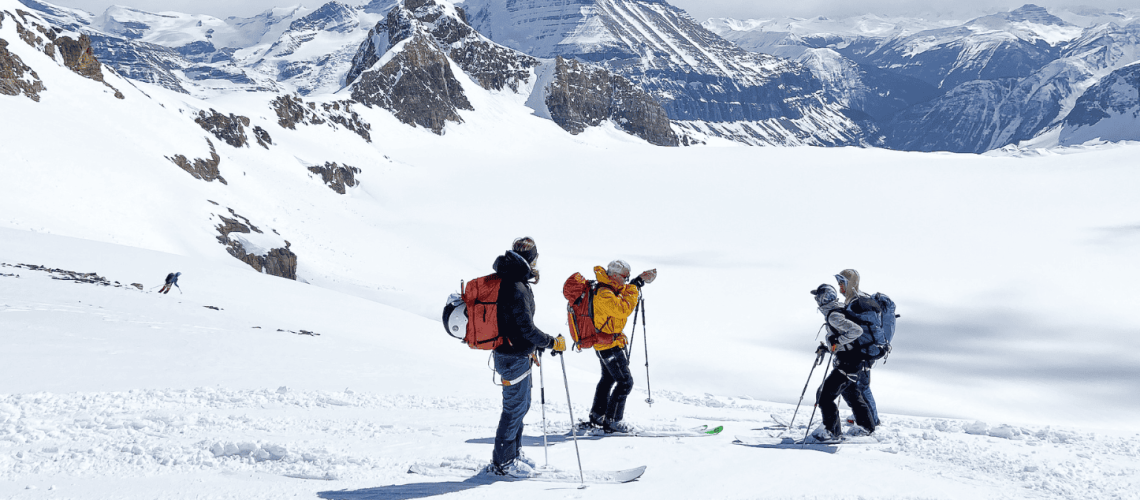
{"x":542,"y":395}
{"x":645,"y":342}
{"x":818,"y":361}
{"x":570,"y":409}
{"x":633,"y":333}
{"x":813,"y":408}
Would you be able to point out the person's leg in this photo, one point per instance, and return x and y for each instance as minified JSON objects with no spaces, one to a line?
{"x":602,"y":393}
{"x":617,"y":364}
{"x":865,"y":389}
{"x":835,"y":382}
{"x":516,"y":402}
{"x":859,"y":407}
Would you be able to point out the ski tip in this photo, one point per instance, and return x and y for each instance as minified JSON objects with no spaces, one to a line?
{"x":715,"y":430}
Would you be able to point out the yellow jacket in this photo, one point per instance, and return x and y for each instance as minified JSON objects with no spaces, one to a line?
{"x":611,"y":310}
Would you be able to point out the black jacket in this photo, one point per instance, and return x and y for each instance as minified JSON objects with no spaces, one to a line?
{"x":516,"y":308}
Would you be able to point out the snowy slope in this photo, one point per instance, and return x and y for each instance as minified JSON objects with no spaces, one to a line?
{"x":1012,"y":275}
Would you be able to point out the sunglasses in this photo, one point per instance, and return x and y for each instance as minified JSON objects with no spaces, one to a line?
{"x":842,"y":281}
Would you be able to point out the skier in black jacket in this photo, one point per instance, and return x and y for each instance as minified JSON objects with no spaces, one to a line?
{"x":516,"y":268}
{"x":842,"y":334}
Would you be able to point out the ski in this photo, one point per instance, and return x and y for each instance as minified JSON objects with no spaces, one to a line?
{"x":774,"y":442}
{"x":540,"y":474}
{"x":701,"y":431}
{"x":780,"y":421}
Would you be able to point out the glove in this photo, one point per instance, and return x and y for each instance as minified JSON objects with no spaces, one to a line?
{"x":821,"y":349}
{"x":559,"y":344}
{"x":648,"y":276}
{"x":638,"y":282}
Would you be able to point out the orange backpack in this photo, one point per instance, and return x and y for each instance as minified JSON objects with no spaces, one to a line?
{"x":481,"y":296}
{"x":579,"y":293}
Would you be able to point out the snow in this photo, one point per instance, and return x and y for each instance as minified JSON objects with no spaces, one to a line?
{"x":1013,"y":275}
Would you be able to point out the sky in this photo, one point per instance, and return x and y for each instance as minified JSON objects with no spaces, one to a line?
{"x":699,"y":9}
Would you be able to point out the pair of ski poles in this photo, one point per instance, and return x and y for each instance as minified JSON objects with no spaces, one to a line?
{"x":569,"y":407}
{"x":542,"y":389}
{"x":818,"y":361}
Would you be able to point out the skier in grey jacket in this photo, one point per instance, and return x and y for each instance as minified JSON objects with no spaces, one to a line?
{"x":841,"y":337}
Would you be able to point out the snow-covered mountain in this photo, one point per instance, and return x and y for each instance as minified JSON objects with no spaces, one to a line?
{"x":318,"y":236}
{"x":942,"y":85}
{"x":710,"y":85}
{"x":1108,"y":111}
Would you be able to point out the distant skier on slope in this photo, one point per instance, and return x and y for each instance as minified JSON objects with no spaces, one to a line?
{"x":855,"y":301}
{"x":516,"y":268}
{"x":613,"y":302}
{"x":842,"y":334}
{"x":171,"y":280}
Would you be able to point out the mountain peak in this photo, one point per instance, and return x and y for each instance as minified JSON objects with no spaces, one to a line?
{"x":1034,"y":14}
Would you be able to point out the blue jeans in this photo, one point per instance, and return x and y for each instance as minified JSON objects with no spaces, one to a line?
{"x":864,"y":386}
{"x":516,"y":402}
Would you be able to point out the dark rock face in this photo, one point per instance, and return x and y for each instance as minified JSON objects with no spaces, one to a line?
{"x":416,"y":85}
{"x":206,"y":170}
{"x":493,"y":66}
{"x":277,"y":261}
{"x":229,"y":129}
{"x":336,"y":176}
{"x":960,"y":121}
{"x":76,"y":53}
{"x":292,"y":110}
{"x":16,"y":77}
{"x":262,"y":137}
{"x":1108,"y":111}
{"x":370,"y":51}
{"x":1118,"y":93}
{"x":583,"y":96}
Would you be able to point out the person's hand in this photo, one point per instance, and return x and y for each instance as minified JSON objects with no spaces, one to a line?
{"x":638,"y":282}
{"x":559,"y":344}
{"x":648,"y":276}
{"x":821,"y":349}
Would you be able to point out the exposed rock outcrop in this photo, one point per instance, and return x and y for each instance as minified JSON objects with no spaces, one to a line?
{"x":74,"y":50}
{"x":206,"y":170}
{"x":262,"y":137}
{"x":16,"y":77}
{"x":336,"y":176}
{"x":583,"y":96}
{"x":292,"y":110}
{"x":492,"y":66}
{"x":229,"y":129}
{"x":416,"y":84}
{"x":279,"y":261}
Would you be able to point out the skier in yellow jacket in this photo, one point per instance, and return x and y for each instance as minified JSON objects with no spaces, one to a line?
{"x":614,"y":302}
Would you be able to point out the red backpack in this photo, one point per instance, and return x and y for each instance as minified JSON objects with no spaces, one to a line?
{"x":579,"y":293}
{"x":481,"y":296}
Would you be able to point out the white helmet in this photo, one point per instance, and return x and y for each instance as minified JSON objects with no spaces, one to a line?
{"x":618,"y":267}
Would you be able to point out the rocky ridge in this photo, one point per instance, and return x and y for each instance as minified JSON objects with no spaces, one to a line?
{"x":337,"y":177}
{"x":279,"y":261}
{"x":582,"y":95}
{"x":200,"y":168}
{"x":292,"y":110}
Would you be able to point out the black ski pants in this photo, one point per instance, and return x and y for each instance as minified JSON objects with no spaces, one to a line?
{"x":615,"y":385}
{"x":845,"y":383}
